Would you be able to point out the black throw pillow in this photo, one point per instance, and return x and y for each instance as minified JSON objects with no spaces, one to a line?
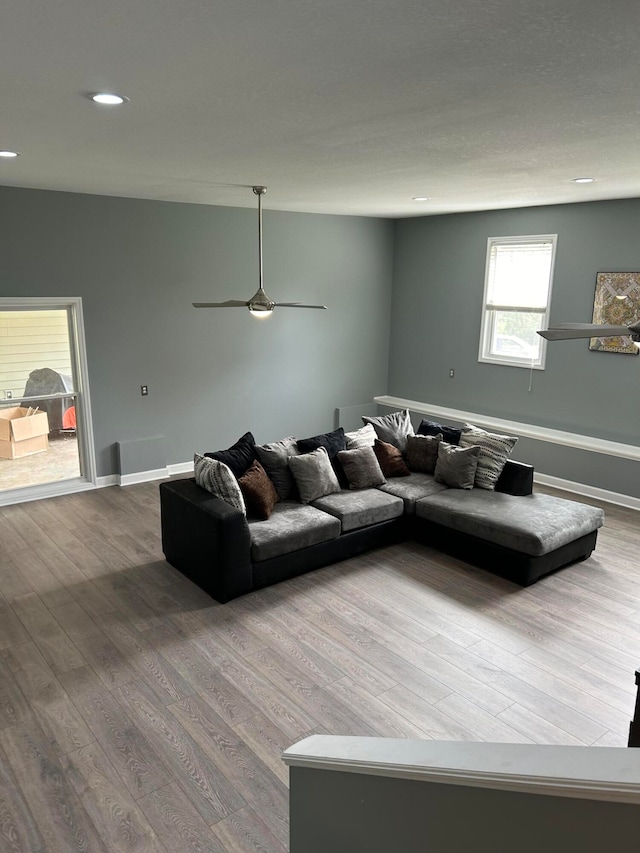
{"x":333,"y":442}
{"x":449,"y":434}
{"x":239,"y":457}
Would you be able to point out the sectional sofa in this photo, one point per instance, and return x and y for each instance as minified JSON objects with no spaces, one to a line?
{"x":508,"y":529}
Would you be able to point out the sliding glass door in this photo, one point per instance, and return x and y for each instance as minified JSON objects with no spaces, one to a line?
{"x":46,"y":441}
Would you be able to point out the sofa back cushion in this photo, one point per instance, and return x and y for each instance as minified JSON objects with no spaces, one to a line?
{"x":219,"y":479}
{"x":314,"y":475}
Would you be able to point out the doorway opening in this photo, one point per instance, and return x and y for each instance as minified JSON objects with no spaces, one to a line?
{"x":46,"y":435}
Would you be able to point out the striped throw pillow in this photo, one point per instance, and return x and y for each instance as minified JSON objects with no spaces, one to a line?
{"x":494,"y":452}
{"x":218,"y":478}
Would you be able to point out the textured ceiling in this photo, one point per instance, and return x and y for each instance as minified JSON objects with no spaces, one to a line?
{"x":338,"y":107}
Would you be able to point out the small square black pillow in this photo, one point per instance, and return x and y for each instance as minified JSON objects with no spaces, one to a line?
{"x":239,"y":456}
{"x":333,"y":442}
{"x":449,"y":434}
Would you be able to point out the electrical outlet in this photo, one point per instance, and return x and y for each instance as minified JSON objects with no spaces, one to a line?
{"x":452,"y":373}
{"x":8,"y":395}
{"x":144,"y":390}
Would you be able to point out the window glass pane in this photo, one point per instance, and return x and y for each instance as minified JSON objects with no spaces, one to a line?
{"x":519,"y":274}
{"x":514,"y":334}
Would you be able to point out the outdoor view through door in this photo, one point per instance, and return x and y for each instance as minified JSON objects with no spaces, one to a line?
{"x":41,"y":442}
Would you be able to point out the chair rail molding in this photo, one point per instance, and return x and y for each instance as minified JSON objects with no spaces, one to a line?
{"x":538,"y":433}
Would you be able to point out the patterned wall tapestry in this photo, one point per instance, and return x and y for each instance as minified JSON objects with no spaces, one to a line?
{"x":617,"y":302}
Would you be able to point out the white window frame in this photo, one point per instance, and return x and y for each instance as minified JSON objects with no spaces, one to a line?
{"x":488,"y":312}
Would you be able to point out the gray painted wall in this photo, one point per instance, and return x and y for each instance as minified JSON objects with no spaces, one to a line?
{"x":347,"y":812}
{"x":436,"y":314}
{"x":212,"y":375}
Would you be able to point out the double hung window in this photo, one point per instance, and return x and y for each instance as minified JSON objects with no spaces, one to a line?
{"x":517,"y":294}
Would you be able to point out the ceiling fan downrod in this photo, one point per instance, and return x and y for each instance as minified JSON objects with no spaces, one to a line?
{"x":260,"y":305}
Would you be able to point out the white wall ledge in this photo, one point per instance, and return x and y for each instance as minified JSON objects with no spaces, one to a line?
{"x":594,"y":773}
{"x":539,"y":433}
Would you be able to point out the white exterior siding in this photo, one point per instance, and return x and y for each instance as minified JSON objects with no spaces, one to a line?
{"x":31,"y":340}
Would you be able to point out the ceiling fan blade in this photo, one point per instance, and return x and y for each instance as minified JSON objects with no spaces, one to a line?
{"x":230,"y":303}
{"x":298,"y":305}
{"x":574,"y":331}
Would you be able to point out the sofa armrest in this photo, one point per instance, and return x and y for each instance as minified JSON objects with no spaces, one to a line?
{"x":206,"y":539}
{"x":516,"y":478}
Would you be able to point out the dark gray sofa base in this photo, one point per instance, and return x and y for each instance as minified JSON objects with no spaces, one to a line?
{"x":521,"y":568}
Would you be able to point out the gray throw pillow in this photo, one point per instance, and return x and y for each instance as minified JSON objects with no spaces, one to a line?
{"x":219,"y":479}
{"x":422,"y":452}
{"x":361,"y":468}
{"x":314,"y":475}
{"x":363,"y":437}
{"x":456,"y":466}
{"x":393,"y":428}
{"x":494,"y":452}
{"x":274,"y":458}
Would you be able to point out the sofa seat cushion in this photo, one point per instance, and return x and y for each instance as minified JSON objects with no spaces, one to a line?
{"x":290,"y":527}
{"x":531,"y":524}
{"x":412,"y":489}
{"x":360,"y":509}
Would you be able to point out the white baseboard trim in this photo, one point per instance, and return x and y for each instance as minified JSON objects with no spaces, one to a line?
{"x":181,"y":468}
{"x":145,"y":476}
{"x":109,"y":480}
{"x":587,"y":491}
{"x":142,"y":477}
{"x":48,"y":490}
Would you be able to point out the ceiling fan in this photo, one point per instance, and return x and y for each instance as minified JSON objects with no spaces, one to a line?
{"x":573,"y":331}
{"x":260,"y":305}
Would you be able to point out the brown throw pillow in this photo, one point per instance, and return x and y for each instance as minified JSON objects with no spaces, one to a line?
{"x":390,"y":460}
{"x":258,"y":491}
{"x":422,"y":452}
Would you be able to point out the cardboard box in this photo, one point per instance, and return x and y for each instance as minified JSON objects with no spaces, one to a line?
{"x":22,"y":434}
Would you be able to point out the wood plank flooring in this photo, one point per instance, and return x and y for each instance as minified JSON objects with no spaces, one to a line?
{"x":139,"y":716}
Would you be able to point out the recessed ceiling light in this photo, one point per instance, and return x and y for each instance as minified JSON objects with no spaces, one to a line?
{"x":109,"y":99}
{"x":9,"y":154}
{"x":583,"y":180}
{"x":420,"y":198}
